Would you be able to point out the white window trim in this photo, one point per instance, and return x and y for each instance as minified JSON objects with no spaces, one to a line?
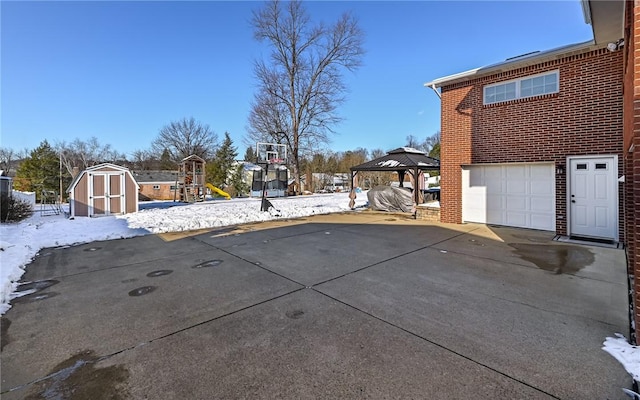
{"x":518,"y":84}
{"x":156,"y":187}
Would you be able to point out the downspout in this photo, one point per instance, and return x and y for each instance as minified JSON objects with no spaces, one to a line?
{"x":435,"y":90}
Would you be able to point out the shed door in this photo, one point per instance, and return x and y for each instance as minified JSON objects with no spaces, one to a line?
{"x":115,"y":193}
{"x":97,"y":198}
{"x":106,"y":193}
{"x":521,"y":195}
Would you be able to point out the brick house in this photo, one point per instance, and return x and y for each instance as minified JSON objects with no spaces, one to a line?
{"x":156,"y":185}
{"x":516,"y":133}
{"x":560,"y":143}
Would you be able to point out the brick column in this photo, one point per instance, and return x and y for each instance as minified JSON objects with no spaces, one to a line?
{"x":455,"y":149}
{"x":632,"y":151}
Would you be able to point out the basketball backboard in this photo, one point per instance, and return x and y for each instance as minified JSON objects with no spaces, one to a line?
{"x":271,"y":153}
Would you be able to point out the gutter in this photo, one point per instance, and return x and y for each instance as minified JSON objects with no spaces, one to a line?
{"x":516,"y":62}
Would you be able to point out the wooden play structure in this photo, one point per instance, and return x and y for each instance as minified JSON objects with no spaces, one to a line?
{"x":191,"y":182}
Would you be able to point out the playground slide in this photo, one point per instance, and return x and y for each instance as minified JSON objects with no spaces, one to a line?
{"x":219,"y":191}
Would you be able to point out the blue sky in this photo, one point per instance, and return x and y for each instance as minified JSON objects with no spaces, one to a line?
{"x":122,"y":70}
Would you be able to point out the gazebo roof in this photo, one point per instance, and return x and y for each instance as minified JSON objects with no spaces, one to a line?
{"x":403,"y":158}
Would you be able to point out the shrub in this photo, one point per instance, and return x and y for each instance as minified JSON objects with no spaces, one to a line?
{"x":16,"y":209}
{"x":231,"y":191}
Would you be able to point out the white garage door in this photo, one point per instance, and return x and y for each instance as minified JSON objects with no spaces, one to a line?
{"x":521,"y":195}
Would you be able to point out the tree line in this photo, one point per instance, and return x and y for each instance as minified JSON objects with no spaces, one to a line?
{"x":52,"y":167}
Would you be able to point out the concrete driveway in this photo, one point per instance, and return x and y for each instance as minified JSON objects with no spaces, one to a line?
{"x":356,"y":305}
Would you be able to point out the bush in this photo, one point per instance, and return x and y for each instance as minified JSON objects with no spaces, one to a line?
{"x":231,"y":191}
{"x":16,"y":209}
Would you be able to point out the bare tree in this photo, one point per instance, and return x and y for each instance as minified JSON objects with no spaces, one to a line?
{"x":413,"y":142}
{"x":432,"y":140}
{"x":143,"y":160}
{"x":377,"y":153}
{"x":7,"y":159}
{"x":83,"y":154}
{"x":301,"y":87}
{"x":184,"y":138}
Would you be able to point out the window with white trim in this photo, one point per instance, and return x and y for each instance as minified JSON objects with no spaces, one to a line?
{"x":522,"y":88}
{"x":156,"y":187}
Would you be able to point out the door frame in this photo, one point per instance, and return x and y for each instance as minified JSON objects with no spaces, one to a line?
{"x":107,"y":197}
{"x":614,"y":187}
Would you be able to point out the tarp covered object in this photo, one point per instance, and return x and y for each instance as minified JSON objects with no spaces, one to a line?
{"x":387,"y":198}
{"x":403,"y":160}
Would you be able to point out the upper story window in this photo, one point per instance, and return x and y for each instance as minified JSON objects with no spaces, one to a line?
{"x":530,"y":86}
{"x":156,"y":187}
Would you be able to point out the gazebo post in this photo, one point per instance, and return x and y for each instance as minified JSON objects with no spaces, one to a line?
{"x":352,"y":194}
{"x":401,"y":173}
{"x":416,"y":187}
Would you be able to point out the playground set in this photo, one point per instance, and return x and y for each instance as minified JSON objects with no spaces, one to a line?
{"x":269,"y":180}
{"x":190,"y":181}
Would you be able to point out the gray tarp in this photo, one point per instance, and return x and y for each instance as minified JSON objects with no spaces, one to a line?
{"x":387,"y":198}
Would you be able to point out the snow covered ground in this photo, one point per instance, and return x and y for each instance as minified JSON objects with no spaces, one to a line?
{"x":20,"y":242}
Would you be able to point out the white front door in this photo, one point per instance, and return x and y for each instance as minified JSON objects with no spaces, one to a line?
{"x":593,"y":197}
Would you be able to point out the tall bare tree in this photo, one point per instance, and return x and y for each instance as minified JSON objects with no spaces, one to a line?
{"x":186,"y":137}
{"x":301,"y":87}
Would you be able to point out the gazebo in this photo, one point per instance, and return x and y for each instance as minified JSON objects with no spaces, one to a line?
{"x":401,"y":160}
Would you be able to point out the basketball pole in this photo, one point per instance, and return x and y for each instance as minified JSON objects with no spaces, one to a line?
{"x":264,"y":206}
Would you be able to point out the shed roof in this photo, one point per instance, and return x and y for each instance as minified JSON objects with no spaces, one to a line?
{"x":98,"y":167}
{"x":402,"y":158}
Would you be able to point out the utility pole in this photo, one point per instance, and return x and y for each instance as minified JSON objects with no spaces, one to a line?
{"x":60,"y":165}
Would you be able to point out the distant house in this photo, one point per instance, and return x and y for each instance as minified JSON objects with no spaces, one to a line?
{"x":535,"y":142}
{"x":156,"y":185}
{"x":331,"y":182}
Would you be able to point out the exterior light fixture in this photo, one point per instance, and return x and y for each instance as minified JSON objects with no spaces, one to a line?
{"x":613,"y":46}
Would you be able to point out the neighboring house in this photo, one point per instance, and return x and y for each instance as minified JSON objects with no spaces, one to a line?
{"x":102,"y":190}
{"x":534,"y":142}
{"x":339,"y":182}
{"x":156,"y":185}
{"x":600,"y":86}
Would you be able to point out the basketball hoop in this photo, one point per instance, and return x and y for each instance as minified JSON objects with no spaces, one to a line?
{"x":271,"y":153}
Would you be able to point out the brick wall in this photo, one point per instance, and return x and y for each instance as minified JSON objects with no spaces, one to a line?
{"x":632,"y":158}
{"x":585,"y":117}
{"x":164,"y":193}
